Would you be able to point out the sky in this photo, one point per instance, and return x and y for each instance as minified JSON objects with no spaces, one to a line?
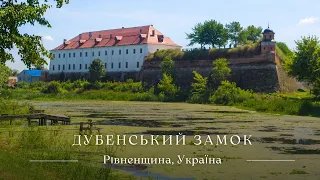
{"x":290,"y":19}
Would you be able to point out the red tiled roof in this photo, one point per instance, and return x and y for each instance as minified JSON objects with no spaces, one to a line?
{"x":117,"y":37}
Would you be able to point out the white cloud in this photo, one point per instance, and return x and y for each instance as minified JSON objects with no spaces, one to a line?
{"x":49,"y":38}
{"x":310,"y":20}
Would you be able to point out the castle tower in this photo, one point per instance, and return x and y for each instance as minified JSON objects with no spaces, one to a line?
{"x":268,"y":43}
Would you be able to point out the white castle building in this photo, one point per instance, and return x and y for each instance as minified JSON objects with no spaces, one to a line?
{"x":121,"y":50}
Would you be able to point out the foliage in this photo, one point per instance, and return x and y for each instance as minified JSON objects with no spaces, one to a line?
{"x":199,"y":91}
{"x":234,"y":31}
{"x":167,"y":65}
{"x":306,"y":61}
{"x":53,"y":87}
{"x":220,"y":72}
{"x":215,"y":34}
{"x":4,"y":75}
{"x":13,"y":107}
{"x":13,"y":15}
{"x":248,"y":50}
{"x":254,"y":33}
{"x":168,"y":90}
{"x":229,"y":94}
{"x":197,"y":36}
{"x":96,"y":70}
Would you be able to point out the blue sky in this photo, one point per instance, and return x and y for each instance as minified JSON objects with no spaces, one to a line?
{"x":290,"y":19}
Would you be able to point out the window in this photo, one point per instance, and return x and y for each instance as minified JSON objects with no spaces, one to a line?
{"x":105,"y":65}
{"x":53,"y":67}
{"x":69,"y":66}
{"x":270,"y":36}
{"x":119,"y":52}
{"x":111,"y":65}
{"x":140,"y":50}
{"x":74,"y":66}
{"x":98,"y":53}
{"x":134,"y":51}
{"x":119,"y":65}
{"x":80,"y":54}
{"x":63,"y":67}
{"x":64,"y":55}
{"x":138,"y":65}
{"x":127,"y":51}
{"x":126,"y":64}
{"x":80,"y":66}
{"x":86,"y":54}
{"x":86,"y":66}
{"x":74,"y":54}
{"x":112,"y":52}
{"x":106,"y":53}
{"x":69,"y":54}
{"x":59,"y":55}
{"x":59,"y":67}
{"x":54,"y":56}
{"x":92,"y":53}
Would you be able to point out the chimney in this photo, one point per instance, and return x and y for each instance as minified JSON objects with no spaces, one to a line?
{"x":90,"y":35}
{"x":122,"y":27}
{"x":64,"y":42}
{"x":80,"y":37}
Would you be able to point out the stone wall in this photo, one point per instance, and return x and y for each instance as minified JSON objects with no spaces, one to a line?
{"x":261,"y":73}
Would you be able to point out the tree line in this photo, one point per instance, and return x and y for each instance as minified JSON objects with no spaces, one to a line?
{"x":215,"y":34}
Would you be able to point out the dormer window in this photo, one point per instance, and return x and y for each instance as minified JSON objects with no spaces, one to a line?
{"x":153,"y":33}
{"x":118,"y":38}
{"x":160,"y":38}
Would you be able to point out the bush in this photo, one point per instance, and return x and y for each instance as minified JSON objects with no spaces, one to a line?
{"x":229,"y":94}
{"x":54,"y":87}
{"x":199,"y":92}
{"x":168,"y":90}
{"x":23,"y":85}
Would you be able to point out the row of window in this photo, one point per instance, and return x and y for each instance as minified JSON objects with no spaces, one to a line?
{"x":86,"y":66}
{"x":93,"y":54}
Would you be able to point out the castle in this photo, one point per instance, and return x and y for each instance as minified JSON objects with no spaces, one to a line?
{"x":261,"y":73}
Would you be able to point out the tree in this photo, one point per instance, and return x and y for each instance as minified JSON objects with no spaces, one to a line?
{"x":96,"y":70}
{"x":254,"y":33}
{"x":197,"y":37}
{"x":5,"y":72}
{"x":168,"y":90}
{"x":214,"y":33}
{"x":167,"y":65}
{"x":220,"y":72}
{"x":14,"y":14}
{"x":234,"y":31}
{"x":199,"y":92}
{"x":306,"y":61}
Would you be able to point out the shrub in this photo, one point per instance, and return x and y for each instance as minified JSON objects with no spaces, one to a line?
{"x":23,"y":85}
{"x":228,"y":94}
{"x":54,"y":87}
{"x":168,"y":90}
{"x":199,"y":92}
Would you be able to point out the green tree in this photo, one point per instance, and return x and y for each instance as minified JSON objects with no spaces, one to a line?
{"x":214,"y":33}
{"x":254,"y":33}
{"x":220,"y":72}
{"x":168,"y":90}
{"x":5,"y":72}
{"x":14,"y":14}
{"x":306,"y":61}
{"x":14,"y":72}
{"x":197,"y":37}
{"x":234,"y":31}
{"x":167,"y":65}
{"x":199,"y":92}
{"x":96,"y":70}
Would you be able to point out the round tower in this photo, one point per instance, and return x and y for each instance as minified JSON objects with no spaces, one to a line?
{"x":268,"y":43}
